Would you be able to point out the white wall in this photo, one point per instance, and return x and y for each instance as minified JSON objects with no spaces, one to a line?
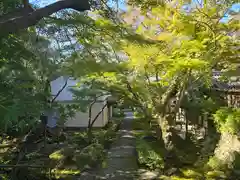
{"x":57,"y":85}
{"x":66,"y":94}
{"x":81,"y":118}
{"x":105,"y":114}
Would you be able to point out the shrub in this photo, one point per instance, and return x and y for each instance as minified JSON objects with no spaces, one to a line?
{"x":191,"y":173}
{"x":228,"y":120}
{"x":62,"y":156}
{"x":149,"y":155}
{"x":89,"y":156}
{"x":141,"y":124}
{"x":215,"y":163}
{"x":80,"y":138}
{"x":118,"y":112}
{"x":215,"y":175}
{"x":106,"y":136}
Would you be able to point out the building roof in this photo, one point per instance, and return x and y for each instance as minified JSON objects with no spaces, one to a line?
{"x":233,"y":85}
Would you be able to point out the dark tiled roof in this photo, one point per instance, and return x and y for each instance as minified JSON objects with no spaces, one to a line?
{"x":228,"y":86}
{"x":231,"y":86}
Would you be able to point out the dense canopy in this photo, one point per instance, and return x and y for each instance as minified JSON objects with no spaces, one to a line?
{"x":174,"y":63}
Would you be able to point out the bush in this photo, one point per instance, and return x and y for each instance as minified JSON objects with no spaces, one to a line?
{"x":80,"y":138}
{"x":149,"y":154}
{"x":141,"y":124}
{"x":89,"y":156}
{"x":216,"y":164}
{"x":118,"y":112}
{"x":63,"y":156}
{"x":228,"y":120}
{"x":215,"y":175}
{"x":106,"y":136}
{"x":191,"y":173}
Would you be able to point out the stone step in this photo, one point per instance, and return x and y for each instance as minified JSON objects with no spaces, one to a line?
{"x":122,"y":151}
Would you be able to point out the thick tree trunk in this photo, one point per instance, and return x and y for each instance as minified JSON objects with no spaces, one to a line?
{"x":168,"y":137}
{"x":13,"y":24}
{"x":166,"y":132}
{"x":227,"y":151}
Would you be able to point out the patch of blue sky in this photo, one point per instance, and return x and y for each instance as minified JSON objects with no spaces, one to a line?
{"x":42,"y":3}
{"x":235,"y":7}
{"x":121,"y":4}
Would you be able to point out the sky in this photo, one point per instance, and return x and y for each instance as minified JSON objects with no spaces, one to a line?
{"x":122,"y":5}
{"x":111,"y":3}
{"x":236,"y":8}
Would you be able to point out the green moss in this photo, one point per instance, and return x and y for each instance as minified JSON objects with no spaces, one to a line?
{"x":215,"y":175}
{"x":57,"y":155}
{"x":216,"y":164}
{"x":176,"y":178}
{"x":191,"y":173}
{"x":64,"y":173}
{"x":181,"y":178}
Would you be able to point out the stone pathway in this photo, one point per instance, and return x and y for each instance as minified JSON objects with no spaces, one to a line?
{"x":122,"y":157}
{"x":121,"y":160}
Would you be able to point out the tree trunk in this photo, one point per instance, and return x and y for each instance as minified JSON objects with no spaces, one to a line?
{"x":170,"y":141}
{"x":166,"y":132}
{"x":13,"y":24}
{"x":227,"y":151}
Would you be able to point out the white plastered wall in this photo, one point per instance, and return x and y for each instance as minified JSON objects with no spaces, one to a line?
{"x":81,"y":118}
{"x":105,"y":115}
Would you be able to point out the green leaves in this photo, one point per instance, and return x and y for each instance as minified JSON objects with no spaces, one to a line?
{"x":149,"y":154}
{"x":228,"y":120}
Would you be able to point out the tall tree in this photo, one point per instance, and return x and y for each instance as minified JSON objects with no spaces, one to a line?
{"x":175,"y":45}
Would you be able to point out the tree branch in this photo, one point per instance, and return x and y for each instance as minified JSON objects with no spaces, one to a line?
{"x":146,"y":75}
{"x":24,"y":20}
{"x":90,"y":109}
{"x":168,"y":94}
{"x":94,"y":120}
{"x":135,"y":95}
{"x":180,"y":96}
{"x":58,"y":93}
